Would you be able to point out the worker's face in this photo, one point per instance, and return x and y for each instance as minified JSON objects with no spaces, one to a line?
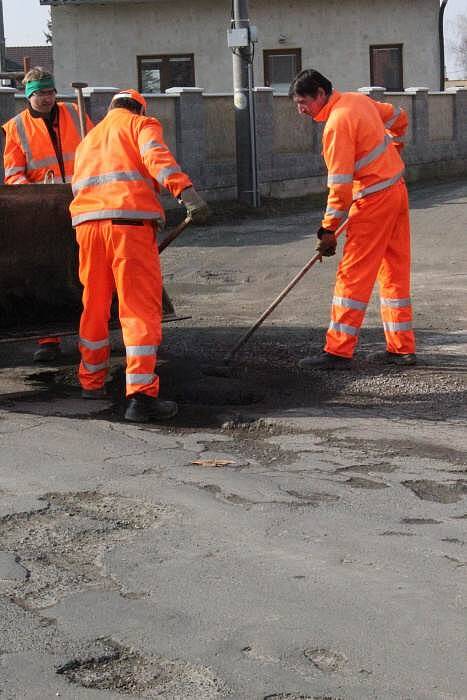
{"x":310,"y":105}
{"x":43,"y":101}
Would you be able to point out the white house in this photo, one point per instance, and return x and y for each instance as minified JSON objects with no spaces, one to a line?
{"x":156,"y":44}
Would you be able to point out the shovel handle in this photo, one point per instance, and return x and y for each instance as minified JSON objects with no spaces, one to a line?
{"x":174,"y":234}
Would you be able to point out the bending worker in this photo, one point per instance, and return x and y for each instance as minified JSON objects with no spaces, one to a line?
{"x":365,"y":179}
{"x":40,"y":145}
{"x":116,"y":211}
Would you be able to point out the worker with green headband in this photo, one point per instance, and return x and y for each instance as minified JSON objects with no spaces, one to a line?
{"x":40,"y":145}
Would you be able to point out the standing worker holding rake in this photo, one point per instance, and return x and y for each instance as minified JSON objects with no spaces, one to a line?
{"x":365,"y":180}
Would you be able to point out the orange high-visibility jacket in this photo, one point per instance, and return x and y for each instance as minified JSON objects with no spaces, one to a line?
{"x":29,"y":152}
{"x":361,"y":143}
{"x":119,"y":167}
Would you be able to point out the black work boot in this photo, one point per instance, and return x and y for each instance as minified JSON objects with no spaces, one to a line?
{"x":324,"y":361}
{"x":142,"y":408}
{"x":394,"y":358}
{"x":48,"y":352}
{"x":100,"y":393}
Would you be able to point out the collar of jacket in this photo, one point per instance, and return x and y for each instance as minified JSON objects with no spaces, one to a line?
{"x":324,"y":113}
{"x":50,"y":117}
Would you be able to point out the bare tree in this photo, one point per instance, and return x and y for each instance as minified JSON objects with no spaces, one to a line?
{"x":48,"y":33}
{"x":458,"y":44}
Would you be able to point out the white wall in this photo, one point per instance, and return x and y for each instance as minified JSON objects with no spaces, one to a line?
{"x":99,"y":43}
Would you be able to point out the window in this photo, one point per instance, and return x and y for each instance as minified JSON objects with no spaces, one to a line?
{"x":386,"y":67}
{"x":280,"y":67}
{"x":157,"y":73}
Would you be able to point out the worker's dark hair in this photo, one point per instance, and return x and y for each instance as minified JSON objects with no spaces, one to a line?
{"x":126,"y":103}
{"x":307,"y":82}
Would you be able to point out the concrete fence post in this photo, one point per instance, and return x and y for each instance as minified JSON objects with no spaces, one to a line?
{"x":375,"y":92}
{"x":190,"y":130}
{"x":460,"y":116}
{"x":97,"y":101}
{"x":264,"y":107}
{"x":7,"y":111}
{"x":420,"y":121}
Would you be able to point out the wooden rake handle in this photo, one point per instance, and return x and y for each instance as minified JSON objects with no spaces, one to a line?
{"x":279,"y":298}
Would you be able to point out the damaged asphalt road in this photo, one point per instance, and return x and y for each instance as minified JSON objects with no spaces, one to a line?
{"x":287,"y":536}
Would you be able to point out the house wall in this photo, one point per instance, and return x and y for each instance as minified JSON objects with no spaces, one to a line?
{"x":99,"y":43}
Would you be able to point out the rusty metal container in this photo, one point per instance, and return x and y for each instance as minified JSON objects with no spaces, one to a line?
{"x":39,"y":283}
{"x":38,"y":255}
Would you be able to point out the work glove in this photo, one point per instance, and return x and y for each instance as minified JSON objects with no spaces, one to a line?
{"x":195,"y":205}
{"x":327,"y":242}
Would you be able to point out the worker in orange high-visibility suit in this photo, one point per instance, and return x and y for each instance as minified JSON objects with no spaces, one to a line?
{"x":361,"y":143}
{"x":40,"y":145}
{"x":116,"y":211}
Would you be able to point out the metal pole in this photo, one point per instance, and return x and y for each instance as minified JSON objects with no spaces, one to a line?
{"x":244,"y":115}
{"x":2,"y":41}
{"x":442,"y":66}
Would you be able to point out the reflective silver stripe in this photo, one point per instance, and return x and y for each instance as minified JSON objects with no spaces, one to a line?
{"x":95,"y":368}
{"x":343,"y":328}
{"x":166,"y":172}
{"x":349,"y":303}
{"x":68,"y":178}
{"x":150,"y":145}
{"x":51,"y":160}
{"x":391,"y":121}
{"x":335,"y":213}
{"x":141,"y":350}
{"x":23,"y":138}
{"x":372,"y":155}
{"x":13,"y":171}
{"x":74,"y":115}
{"x":19,"y":180}
{"x":384,"y":184}
{"x":117,"y":214}
{"x":337,"y":179}
{"x":391,"y":326}
{"x":105,"y":178}
{"x":140,"y":378}
{"x":42,"y":163}
{"x":395,"y":303}
{"x":94,"y":344}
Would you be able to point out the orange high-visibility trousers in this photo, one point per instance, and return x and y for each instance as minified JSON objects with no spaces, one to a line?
{"x":124,"y":258}
{"x":377,"y":247}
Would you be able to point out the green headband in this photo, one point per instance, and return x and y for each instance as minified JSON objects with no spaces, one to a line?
{"x":34,"y":85}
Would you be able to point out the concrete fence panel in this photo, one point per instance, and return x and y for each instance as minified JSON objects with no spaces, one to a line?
{"x":163,"y":108}
{"x":219,"y":127}
{"x":292,"y":133}
{"x":441,"y":117}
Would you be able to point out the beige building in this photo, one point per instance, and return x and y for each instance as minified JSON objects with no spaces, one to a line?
{"x":157,"y":44}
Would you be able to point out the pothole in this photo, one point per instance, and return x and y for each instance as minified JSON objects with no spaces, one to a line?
{"x":61,"y":545}
{"x":426,"y":490}
{"x":293,"y":696}
{"x":358,"y":482}
{"x":326,"y":659}
{"x":128,"y":672}
{"x":420,"y":521}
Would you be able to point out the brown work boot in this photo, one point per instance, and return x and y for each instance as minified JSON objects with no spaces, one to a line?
{"x":142,"y":408}
{"x":324,"y":361}
{"x":394,"y":358}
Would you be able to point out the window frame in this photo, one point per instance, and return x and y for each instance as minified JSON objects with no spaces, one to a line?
{"x":400,"y":48}
{"x":164,"y":57}
{"x":275,"y":52}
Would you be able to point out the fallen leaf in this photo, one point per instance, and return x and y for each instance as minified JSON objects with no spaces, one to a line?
{"x":213,"y":462}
